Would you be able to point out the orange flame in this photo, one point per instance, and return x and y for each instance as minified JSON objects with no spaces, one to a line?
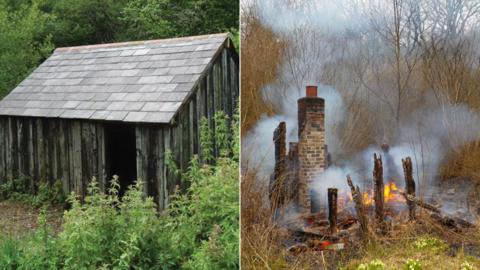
{"x":390,"y":194}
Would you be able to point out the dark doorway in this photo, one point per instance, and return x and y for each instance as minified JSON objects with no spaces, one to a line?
{"x":121,"y":154}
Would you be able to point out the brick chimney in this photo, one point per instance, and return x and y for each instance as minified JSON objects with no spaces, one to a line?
{"x":311,"y":144}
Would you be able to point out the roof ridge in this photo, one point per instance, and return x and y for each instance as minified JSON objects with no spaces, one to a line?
{"x":137,"y":42}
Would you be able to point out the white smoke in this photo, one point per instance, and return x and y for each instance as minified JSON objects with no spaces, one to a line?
{"x":426,"y":135}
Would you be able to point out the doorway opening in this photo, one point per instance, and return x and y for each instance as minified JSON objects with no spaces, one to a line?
{"x":121,"y":154}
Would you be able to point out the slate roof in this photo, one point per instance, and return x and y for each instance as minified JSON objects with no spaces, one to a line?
{"x":140,"y":81}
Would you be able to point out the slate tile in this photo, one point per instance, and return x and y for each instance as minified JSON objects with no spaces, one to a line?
{"x":116,"y":106}
{"x":100,"y":105}
{"x":36,"y":112}
{"x":142,"y":52}
{"x":182,"y":87}
{"x":130,"y":72}
{"x":71,"y":104}
{"x":178,"y":70}
{"x":160,"y":71}
{"x":116,"y":115}
{"x":159,"y":64}
{"x":158,"y":117}
{"x":176,"y":63}
{"x":173,"y":96}
{"x":184,"y":78}
{"x":100,"y":115}
{"x":127,"y":52}
{"x":155,"y":79}
{"x":38,"y":104}
{"x":117,"y":96}
{"x":152,"y":107}
{"x":150,"y":97}
{"x":82,"y":96}
{"x":195,"y":70}
{"x":134,"y":106}
{"x":58,"y":104}
{"x":135,"y":116}
{"x":133,"y":96}
{"x":55,"y":112}
{"x":77,"y":114}
{"x":170,"y":106}
{"x":85,"y":105}
{"x":166,"y":87}
{"x":101,"y":96}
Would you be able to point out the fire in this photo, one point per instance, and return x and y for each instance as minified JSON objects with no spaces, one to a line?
{"x":390,"y":194}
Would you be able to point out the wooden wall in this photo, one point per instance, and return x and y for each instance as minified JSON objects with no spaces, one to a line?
{"x":42,"y":149}
{"x":73,"y":151}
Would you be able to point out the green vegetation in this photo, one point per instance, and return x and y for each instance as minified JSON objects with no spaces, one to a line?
{"x":424,"y":252}
{"x":31,"y":29}
{"x":19,"y":190}
{"x":198,"y":230}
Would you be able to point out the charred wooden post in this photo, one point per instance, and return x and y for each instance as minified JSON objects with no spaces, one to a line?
{"x":420,"y":202}
{"x":359,"y":207}
{"x":277,"y":180}
{"x":409,"y":185}
{"x":378,"y":190}
{"x":332,"y":209}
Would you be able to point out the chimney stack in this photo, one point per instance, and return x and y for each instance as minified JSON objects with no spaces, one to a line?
{"x":312,"y":91}
{"x":311,"y":145}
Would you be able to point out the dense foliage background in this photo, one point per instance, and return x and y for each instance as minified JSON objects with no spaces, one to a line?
{"x":31,"y":29}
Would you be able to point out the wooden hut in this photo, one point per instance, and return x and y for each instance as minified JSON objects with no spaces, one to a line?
{"x":107,"y":109}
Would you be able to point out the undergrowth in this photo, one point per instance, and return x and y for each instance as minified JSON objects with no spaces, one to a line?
{"x":19,"y":190}
{"x":198,"y":230}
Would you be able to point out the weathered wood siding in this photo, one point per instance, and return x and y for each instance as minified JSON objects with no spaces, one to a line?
{"x":48,"y":150}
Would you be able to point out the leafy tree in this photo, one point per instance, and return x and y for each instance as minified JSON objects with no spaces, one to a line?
{"x":86,"y":21}
{"x":166,"y":18}
{"x":24,"y":42}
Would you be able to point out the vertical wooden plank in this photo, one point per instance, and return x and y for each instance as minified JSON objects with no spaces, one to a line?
{"x":40,"y":151}
{"x":64,"y":156}
{"x":141,"y":155}
{"x":234,"y":79}
{"x":2,"y":150}
{"x":52,"y":146}
{"x":46,"y":146}
{"x":13,"y":147}
{"x":77,"y":158}
{"x":33,"y":142}
{"x":69,"y":143}
{"x":8,"y":147}
{"x":217,"y":84}
{"x":185,"y":139}
{"x":193,"y":125}
{"x":226,"y":93}
{"x":20,"y":151}
{"x":93,"y":142}
{"x":160,"y":170}
{"x":201,"y":110}
{"x":86,"y":154}
{"x":176,"y":137}
{"x":102,"y":178}
{"x":167,"y":146}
